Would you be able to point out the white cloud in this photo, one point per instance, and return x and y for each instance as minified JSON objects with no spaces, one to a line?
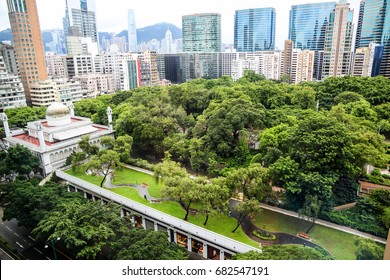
{"x":112,"y":14}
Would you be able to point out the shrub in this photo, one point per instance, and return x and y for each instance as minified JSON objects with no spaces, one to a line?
{"x":140,"y":163}
{"x":264,"y":235}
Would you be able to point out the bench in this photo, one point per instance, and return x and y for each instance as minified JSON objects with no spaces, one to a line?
{"x":303,"y":235}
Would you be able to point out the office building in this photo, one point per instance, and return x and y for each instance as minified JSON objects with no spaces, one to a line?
{"x":11,"y":89}
{"x":28,"y":45}
{"x":80,"y":19}
{"x":132,"y":32}
{"x":338,"y":41}
{"x":308,"y":24}
{"x":370,"y":23}
{"x":202,"y":32}
{"x":385,"y":65}
{"x":133,"y":73}
{"x":254,"y":29}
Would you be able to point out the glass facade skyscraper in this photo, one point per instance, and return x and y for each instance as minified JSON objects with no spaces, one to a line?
{"x":370,"y":24}
{"x":202,"y":33}
{"x":80,"y":16}
{"x":254,"y":30}
{"x":385,"y":65}
{"x":132,"y":32}
{"x":308,"y":23}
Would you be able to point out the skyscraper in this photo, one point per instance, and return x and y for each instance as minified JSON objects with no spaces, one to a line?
{"x":254,"y":30}
{"x":81,"y":15}
{"x":308,"y":24}
{"x":28,"y":45}
{"x":338,"y":41}
{"x":132,"y":32}
{"x":385,"y":65}
{"x":370,"y":23}
{"x":202,"y":32}
{"x":287,"y":53}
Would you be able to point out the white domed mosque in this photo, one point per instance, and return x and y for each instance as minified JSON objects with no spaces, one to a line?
{"x":56,"y":137}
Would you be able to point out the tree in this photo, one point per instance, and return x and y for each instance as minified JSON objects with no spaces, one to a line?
{"x":86,"y":146}
{"x":367,"y":249}
{"x":83,"y":226}
{"x":28,"y":202}
{"x":310,"y":210}
{"x":223,"y":126}
{"x":19,"y":159}
{"x":185,"y":190}
{"x":304,"y":98}
{"x":20,"y":116}
{"x":253,"y":181}
{"x":122,"y":146}
{"x":348,"y":97}
{"x":250,"y":76}
{"x":168,"y":169}
{"x":214,"y":199}
{"x":284,"y":252}
{"x":244,"y":209}
{"x":141,"y":244}
{"x":105,"y":163}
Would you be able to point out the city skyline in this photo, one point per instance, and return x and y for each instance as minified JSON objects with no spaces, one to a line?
{"x":108,"y":19}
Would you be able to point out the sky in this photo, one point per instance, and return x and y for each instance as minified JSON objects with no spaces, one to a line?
{"x":112,"y":15}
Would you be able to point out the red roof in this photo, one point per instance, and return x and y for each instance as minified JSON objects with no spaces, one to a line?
{"x":24,"y":137}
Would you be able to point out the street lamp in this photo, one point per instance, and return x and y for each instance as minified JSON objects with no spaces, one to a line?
{"x":52,"y":245}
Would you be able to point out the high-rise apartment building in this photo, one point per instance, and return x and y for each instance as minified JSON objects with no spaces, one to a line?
{"x":254,"y":29}
{"x":132,"y":32}
{"x":149,"y":70}
{"x":80,"y":15}
{"x":202,"y":32}
{"x":338,"y":41}
{"x":287,"y":55}
{"x":11,"y":89}
{"x":28,"y":45}
{"x":8,"y":54}
{"x":56,"y":65}
{"x":302,"y":66}
{"x":367,"y":61}
{"x":308,"y":24}
{"x":370,"y":23}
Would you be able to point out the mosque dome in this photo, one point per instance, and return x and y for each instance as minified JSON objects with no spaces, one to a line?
{"x":57,"y":114}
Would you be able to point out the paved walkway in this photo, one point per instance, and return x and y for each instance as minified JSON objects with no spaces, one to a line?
{"x":248,"y":226}
{"x":142,"y":190}
{"x":325,"y":223}
{"x":281,"y":238}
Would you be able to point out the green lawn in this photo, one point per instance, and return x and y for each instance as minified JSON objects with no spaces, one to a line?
{"x":221,"y":224}
{"x":338,"y":243}
{"x":130,"y":176}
